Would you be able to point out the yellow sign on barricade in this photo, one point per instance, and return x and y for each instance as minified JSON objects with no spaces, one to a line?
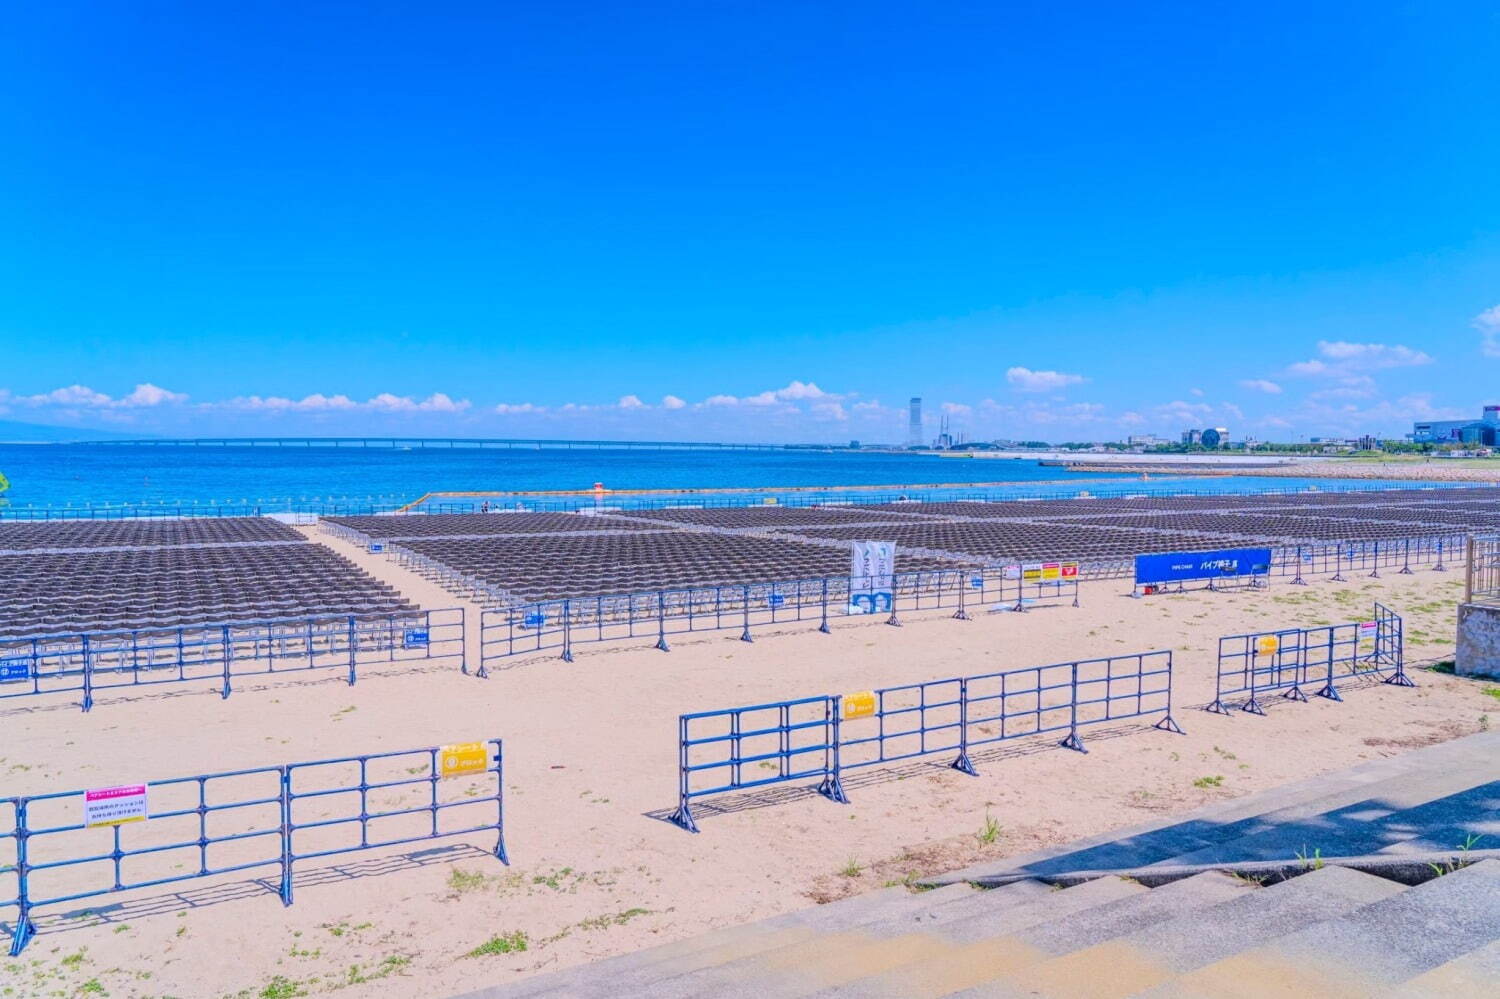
{"x":463,"y":758}
{"x":1267,"y":645}
{"x":860,"y":704}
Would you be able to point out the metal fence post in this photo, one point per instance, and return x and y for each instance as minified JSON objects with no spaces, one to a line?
{"x":684,"y":815}
{"x":1439,"y":566}
{"x":1338,"y":563}
{"x":1253,"y":705}
{"x":1297,"y":579}
{"x":567,"y":648}
{"x":1167,"y":724}
{"x":832,"y":787}
{"x":661,"y":622}
{"x":88,"y":674}
{"x":745,"y":608}
{"x":1329,"y":690}
{"x":1469,"y":575}
{"x":24,"y":928}
{"x":963,"y":586}
{"x":224,"y":638}
{"x":500,"y":853}
{"x":286,"y":835}
{"x":823,"y":625}
{"x":1072,"y":741}
{"x":1375,"y":568}
{"x":1405,"y":557}
{"x":353,"y":642}
{"x":963,"y":764}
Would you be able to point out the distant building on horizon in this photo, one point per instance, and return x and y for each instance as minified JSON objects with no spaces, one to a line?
{"x":1482,"y":431}
{"x":1213,"y":437}
{"x":914,"y":425}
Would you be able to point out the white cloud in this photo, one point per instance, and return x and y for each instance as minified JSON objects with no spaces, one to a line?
{"x":957,"y":409}
{"x":1026,"y":380}
{"x":438,"y":402}
{"x":721,"y":400}
{"x":518,"y":408}
{"x":802,"y":390}
{"x":631,"y":402}
{"x":672,"y":402}
{"x":1373,"y":355}
{"x":147,"y":394}
{"x":1488,"y":325}
{"x":1341,"y":357}
{"x":144,"y":396}
{"x":1261,"y":385}
{"x":829,"y":411}
{"x":1197,"y":392}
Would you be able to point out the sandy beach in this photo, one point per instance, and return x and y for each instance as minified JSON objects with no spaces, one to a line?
{"x":591,"y":766}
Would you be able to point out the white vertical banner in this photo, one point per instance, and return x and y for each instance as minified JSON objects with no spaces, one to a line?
{"x":872,"y":577}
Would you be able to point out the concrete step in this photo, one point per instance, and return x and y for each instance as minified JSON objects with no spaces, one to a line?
{"x":721,"y":972}
{"x":972,"y":959}
{"x":1374,"y":950}
{"x":869,"y":950}
{"x":1139,"y":960}
{"x":619,"y":976}
{"x":608,"y":967}
{"x":1163,"y":839}
{"x":1476,"y":973}
{"x":1389,"y":812}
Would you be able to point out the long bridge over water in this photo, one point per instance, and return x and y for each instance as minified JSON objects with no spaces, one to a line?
{"x":444,"y":442}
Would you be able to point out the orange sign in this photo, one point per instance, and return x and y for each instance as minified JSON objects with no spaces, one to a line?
{"x":860,"y":704}
{"x":463,"y":758}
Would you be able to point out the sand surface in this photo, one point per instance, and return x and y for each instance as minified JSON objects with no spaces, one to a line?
{"x":591,"y":761}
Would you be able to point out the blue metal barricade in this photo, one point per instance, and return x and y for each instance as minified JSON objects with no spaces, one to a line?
{"x":219,"y":653}
{"x":822,"y":737}
{"x":1290,"y":659}
{"x":72,"y":845}
{"x":755,"y":746}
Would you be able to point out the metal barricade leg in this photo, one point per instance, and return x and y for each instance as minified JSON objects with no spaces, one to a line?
{"x":567,"y":648}
{"x":1072,"y":741}
{"x":353,"y":649}
{"x":24,"y":929}
{"x":1253,"y":704}
{"x":1329,"y":690}
{"x":88,"y":674}
{"x":831,"y":787}
{"x":683,"y":817}
{"x":1167,"y":724}
{"x":228,"y":655}
{"x":962,"y":614}
{"x":963,"y":764}
{"x":823,"y":625}
{"x":745,"y":607}
{"x":500,"y":853}
{"x":286,"y":836}
{"x":661,"y":622}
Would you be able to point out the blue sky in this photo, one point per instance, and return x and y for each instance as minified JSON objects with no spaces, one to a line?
{"x":749,"y":221}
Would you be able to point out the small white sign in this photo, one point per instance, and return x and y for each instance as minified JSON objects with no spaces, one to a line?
{"x":112,"y":806}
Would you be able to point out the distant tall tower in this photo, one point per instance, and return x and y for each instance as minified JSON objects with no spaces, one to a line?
{"x":914,"y":428}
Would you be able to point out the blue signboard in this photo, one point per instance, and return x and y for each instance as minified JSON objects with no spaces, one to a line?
{"x":414,"y":638}
{"x":535,"y":620}
{"x":376,"y":547}
{"x":977,"y":582}
{"x":15,"y":669}
{"x":775,"y":600}
{"x":1174,"y":567}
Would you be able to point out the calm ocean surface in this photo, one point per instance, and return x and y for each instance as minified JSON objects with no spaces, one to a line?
{"x":55,"y":475}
